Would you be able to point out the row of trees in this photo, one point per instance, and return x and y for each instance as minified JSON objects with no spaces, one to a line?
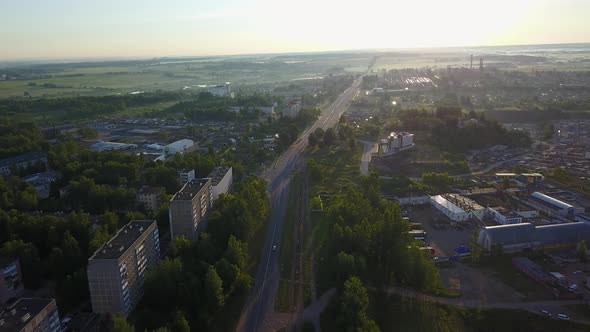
{"x":200,"y":278}
{"x":55,"y":248}
{"x":369,"y":242}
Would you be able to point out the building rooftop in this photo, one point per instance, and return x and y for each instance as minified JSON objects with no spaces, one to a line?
{"x":439,"y":199}
{"x":550,"y":201}
{"x":147,"y":190}
{"x":27,"y":157}
{"x":555,"y":234}
{"x":122,"y":240}
{"x":217,"y":174}
{"x":190,"y":189}
{"x":181,"y":144}
{"x":16,"y":316}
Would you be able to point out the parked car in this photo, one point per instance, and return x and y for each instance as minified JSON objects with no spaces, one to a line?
{"x":546,"y":313}
{"x":563,"y":317}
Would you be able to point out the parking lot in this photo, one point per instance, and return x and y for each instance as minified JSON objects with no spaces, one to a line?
{"x":442,"y":235}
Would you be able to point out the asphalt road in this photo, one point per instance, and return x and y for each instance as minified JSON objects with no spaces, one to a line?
{"x":261,"y":299}
{"x":368,"y":149}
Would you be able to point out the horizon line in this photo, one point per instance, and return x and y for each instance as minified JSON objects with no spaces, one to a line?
{"x":84,"y":59}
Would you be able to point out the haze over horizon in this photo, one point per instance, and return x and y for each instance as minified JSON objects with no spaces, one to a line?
{"x":64,"y":29}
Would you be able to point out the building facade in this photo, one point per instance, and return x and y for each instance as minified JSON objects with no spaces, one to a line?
{"x":503,"y":217}
{"x":221,"y":90}
{"x":23,"y":161}
{"x":186,"y":175}
{"x":11,"y":285}
{"x":150,"y":197}
{"x":221,"y":181}
{"x":189,"y":208}
{"x":526,"y":236}
{"x":293,"y":107}
{"x":117,"y":270}
{"x":457,"y":208}
{"x":30,"y":315}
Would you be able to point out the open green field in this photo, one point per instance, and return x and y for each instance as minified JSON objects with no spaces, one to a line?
{"x":96,"y":78}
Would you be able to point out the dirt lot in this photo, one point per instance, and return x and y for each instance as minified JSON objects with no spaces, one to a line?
{"x":475,"y":284}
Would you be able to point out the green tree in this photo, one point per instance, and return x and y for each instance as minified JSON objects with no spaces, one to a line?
{"x":27,"y":199}
{"x":581,"y":251}
{"x":236,"y":252}
{"x":164,"y":136}
{"x":120,"y":324}
{"x":506,"y":183}
{"x":101,"y":236}
{"x":316,"y":203}
{"x":475,"y":247}
{"x":345,"y":265}
{"x":214,"y":288}
{"x":88,"y":133}
{"x":29,"y":261}
{"x":330,"y":136}
{"x":179,"y":324}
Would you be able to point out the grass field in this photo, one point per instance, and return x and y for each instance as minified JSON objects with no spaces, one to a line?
{"x":174,"y":74}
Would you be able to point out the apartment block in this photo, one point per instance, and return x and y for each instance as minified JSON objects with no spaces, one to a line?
{"x":221,"y":181}
{"x":189,"y":207}
{"x":30,"y":315}
{"x":11,"y":285}
{"x":117,"y":270}
{"x":186,"y":175}
{"x":150,"y":197}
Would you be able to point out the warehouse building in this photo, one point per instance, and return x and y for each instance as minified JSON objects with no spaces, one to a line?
{"x":525,"y":236}
{"x":503,"y":216}
{"x":552,"y":206}
{"x":456,"y":207}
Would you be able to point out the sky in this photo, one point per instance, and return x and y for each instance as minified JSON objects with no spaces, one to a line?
{"x":46,"y":29}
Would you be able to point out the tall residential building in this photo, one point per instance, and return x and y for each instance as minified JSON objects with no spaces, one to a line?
{"x":186,"y":175}
{"x":221,"y":181}
{"x":117,"y":270}
{"x":150,"y":197}
{"x":30,"y":315}
{"x":293,"y":107}
{"x":188,"y":208}
{"x":11,"y":285}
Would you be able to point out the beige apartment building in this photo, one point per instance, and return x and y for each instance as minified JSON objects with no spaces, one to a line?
{"x":150,"y":198}
{"x":30,"y":315}
{"x":117,"y":270}
{"x":189,"y":208}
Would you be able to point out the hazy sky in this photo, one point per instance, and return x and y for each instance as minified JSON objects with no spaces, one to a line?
{"x":105,"y":28}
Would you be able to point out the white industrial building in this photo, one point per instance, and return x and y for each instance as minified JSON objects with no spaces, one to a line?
{"x":221,"y":181}
{"x":220,"y":90}
{"x":182,"y":146}
{"x":503,"y":217}
{"x":396,"y":142}
{"x":456,"y":207}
